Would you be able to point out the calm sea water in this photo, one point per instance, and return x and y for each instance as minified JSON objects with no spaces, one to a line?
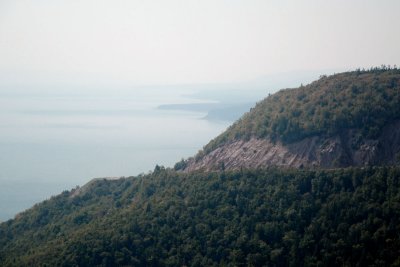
{"x":53,"y":138}
{"x":51,"y":142}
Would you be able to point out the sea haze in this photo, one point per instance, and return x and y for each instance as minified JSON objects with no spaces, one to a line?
{"x":54,"y":141}
{"x":53,"y":138}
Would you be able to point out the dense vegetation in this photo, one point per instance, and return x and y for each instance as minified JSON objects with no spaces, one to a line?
{"x":362,"y":99}
{"x":270,"y":217}
{"x":346,"y":217}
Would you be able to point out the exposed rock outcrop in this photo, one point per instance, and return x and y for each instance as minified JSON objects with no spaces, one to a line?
{"x":343,"y":150}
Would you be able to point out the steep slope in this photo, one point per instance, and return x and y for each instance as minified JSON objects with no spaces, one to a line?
{"x":247,"y":213}
{"x":268,"y":217}
{"x":347,"y":119}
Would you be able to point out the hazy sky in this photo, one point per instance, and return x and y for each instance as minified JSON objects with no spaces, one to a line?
{"x":157,"y":42}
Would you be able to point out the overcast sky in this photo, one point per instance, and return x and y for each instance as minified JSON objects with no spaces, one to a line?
{"x":204,"y":41}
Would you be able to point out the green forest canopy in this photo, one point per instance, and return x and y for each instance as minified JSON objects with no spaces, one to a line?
{"x":362,"y":99}
{"x":345,"y":217}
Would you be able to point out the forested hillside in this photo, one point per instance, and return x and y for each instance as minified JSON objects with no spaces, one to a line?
{"x":342,"y":120}
{"x":345,"y":217}
{"x":270,"y":191}
{"x":359,"y":99}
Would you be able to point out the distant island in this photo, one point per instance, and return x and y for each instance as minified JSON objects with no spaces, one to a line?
{"x":214,"y":111}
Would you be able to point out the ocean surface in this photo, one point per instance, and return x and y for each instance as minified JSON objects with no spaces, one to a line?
{"x":55,"y":137}
{"x":53,"y":140}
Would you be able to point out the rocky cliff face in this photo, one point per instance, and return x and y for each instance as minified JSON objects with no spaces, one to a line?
{"x":346,"y":149}
{"x":342,"y":120}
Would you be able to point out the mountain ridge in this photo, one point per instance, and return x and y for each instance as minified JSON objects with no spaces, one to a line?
{"x":340,"y":120}
{"x":226,"y":207}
